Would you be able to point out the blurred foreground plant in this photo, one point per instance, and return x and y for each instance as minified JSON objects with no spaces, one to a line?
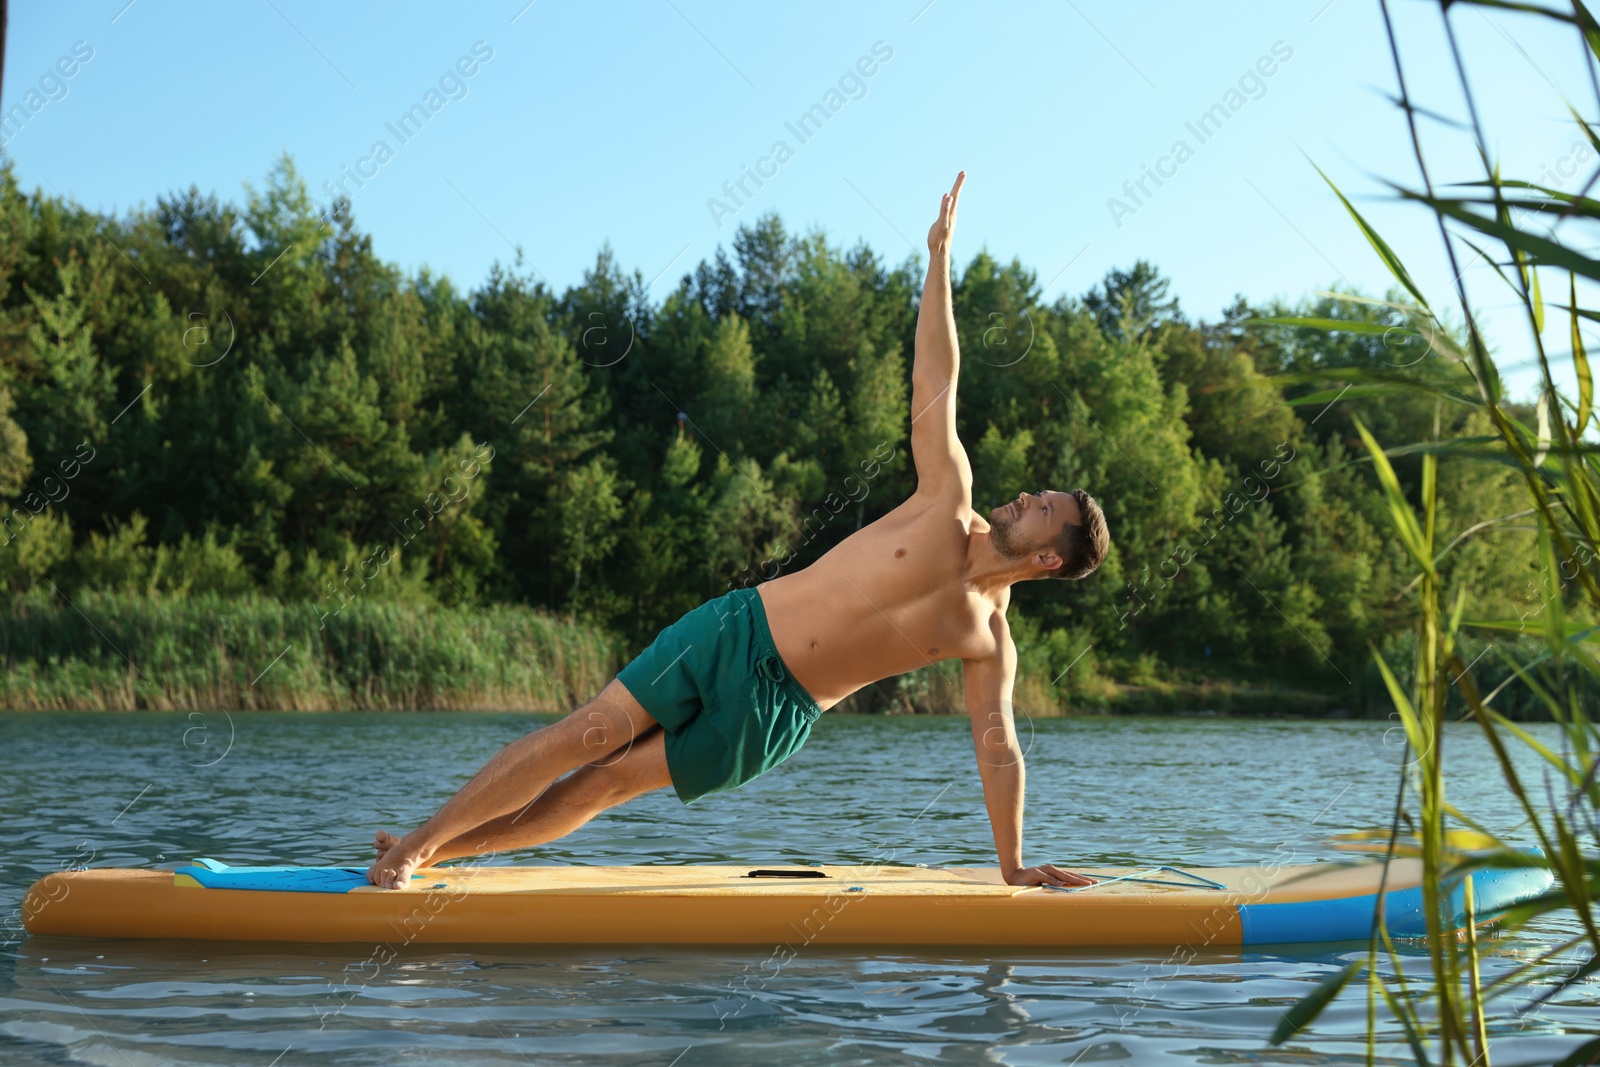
{"x":1498,"y":219}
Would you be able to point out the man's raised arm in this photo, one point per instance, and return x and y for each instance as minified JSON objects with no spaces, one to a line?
{"x":941,"y":462}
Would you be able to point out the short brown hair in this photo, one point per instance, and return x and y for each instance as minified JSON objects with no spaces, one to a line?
{"x":1082,"y":546}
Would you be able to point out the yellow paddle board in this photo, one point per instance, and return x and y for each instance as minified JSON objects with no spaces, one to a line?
{"x":708,"y":905}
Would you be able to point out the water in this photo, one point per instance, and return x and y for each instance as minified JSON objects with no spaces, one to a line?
{"x":155,"y":789}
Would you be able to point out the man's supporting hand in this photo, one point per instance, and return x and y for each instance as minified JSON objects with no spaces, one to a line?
{"x":1047,"y":874}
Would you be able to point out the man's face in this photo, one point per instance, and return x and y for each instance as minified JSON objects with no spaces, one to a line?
{"x":1020,"y":527}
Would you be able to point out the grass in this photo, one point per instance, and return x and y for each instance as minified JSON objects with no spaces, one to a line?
{"x":126,"y":652}
{"x":123,"y":652}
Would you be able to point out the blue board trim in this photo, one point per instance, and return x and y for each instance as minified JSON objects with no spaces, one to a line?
{"x":1350,"y":918}
{"x":213,"y":874}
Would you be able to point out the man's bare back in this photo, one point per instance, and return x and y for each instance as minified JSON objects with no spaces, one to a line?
{"x":929,"y":581}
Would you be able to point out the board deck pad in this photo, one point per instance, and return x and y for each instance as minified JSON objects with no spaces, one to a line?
{"x":706,"y":904}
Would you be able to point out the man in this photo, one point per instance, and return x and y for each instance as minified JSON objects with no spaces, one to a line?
{"x":732,"y":688}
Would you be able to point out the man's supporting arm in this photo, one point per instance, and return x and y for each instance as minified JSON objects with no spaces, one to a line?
{"x":988,"y":684}
{"x":941,"y":462}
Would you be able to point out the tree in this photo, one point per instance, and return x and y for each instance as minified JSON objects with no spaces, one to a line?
{"x":1129,"y":305}
{"x":585,"y":501}
{"x":65,"y":392}
{"x":631,"y":458}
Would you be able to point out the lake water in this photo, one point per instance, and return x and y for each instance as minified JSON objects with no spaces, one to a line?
{"x":157,"y":789}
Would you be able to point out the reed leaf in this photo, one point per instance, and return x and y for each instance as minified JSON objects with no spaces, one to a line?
{"x":1379,"y":245}
{"x":1572,"y":774}
{"x":1306,"y":1010}
{"x":1346,"y":325}
{"x":1586,"y":23}
{"x":1399,"y":510}
{"x":1542,"y":249}
{"x":1580,"y":365}
{"x":1585,"y":1055}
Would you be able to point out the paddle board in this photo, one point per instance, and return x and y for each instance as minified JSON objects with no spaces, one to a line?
{"x":705,"y":905}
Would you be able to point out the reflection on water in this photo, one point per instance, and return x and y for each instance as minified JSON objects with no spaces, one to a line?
{"x":142,"y":791}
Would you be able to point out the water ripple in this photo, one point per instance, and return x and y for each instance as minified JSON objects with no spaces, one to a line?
{"x":125,"y":790}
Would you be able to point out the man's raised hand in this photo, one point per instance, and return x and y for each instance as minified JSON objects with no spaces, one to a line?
{"x":939,"y":233}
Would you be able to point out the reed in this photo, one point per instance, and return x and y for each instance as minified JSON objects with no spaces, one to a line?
{"x":1446,"y":1014}
{"x":124,"y":652}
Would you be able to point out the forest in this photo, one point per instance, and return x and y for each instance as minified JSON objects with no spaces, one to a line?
{"x":214,"y":418}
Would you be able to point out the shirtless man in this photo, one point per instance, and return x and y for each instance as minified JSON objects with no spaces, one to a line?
{"x":732,"y":688}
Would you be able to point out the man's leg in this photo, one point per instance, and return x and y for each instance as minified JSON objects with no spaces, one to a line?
{"x":600,"y":732}
{"x":566,"y":805}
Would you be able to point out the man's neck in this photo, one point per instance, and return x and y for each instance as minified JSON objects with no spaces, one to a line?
{"x":987,"y":571}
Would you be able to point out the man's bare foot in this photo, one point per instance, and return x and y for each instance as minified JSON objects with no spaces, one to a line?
{"x":398,"y":859}
{"x":384,"y":842}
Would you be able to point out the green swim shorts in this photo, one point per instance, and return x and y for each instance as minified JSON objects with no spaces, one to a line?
{"x":716,"y":684}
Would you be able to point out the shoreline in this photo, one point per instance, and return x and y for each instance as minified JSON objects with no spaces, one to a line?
{"x":1254,"y":703}
{"x":127,"y":653}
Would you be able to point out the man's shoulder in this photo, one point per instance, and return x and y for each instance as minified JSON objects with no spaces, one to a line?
{"x":992,"y":622}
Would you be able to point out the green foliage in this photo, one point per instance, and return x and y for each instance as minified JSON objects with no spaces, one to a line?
{"x":587,"y":509}
{"x":247,"y":400}
{"x":35,"y":547}
{"x":121,"y":561}
{"x":122,"y":651}
{"x":1464,"y":476}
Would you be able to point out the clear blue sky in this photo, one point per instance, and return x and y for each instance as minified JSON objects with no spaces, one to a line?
{"x":618,"y":122}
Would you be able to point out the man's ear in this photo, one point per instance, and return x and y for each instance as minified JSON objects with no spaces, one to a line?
{"x":1048,"y":560}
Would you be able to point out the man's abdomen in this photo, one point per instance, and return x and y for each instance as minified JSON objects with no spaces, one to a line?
{"x":835,"y":640}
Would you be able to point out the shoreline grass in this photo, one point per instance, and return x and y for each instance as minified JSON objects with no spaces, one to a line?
{"x":124,"y":652}
{"x":117,"y":652}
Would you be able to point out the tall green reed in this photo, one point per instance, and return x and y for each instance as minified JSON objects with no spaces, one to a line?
{"x":1495,"y":217}
{"x":124,"y":652}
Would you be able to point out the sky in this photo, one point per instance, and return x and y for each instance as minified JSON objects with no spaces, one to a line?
{"x":556,"y":127}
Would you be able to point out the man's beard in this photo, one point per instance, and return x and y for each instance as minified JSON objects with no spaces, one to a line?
{"x":1005,"y":541}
